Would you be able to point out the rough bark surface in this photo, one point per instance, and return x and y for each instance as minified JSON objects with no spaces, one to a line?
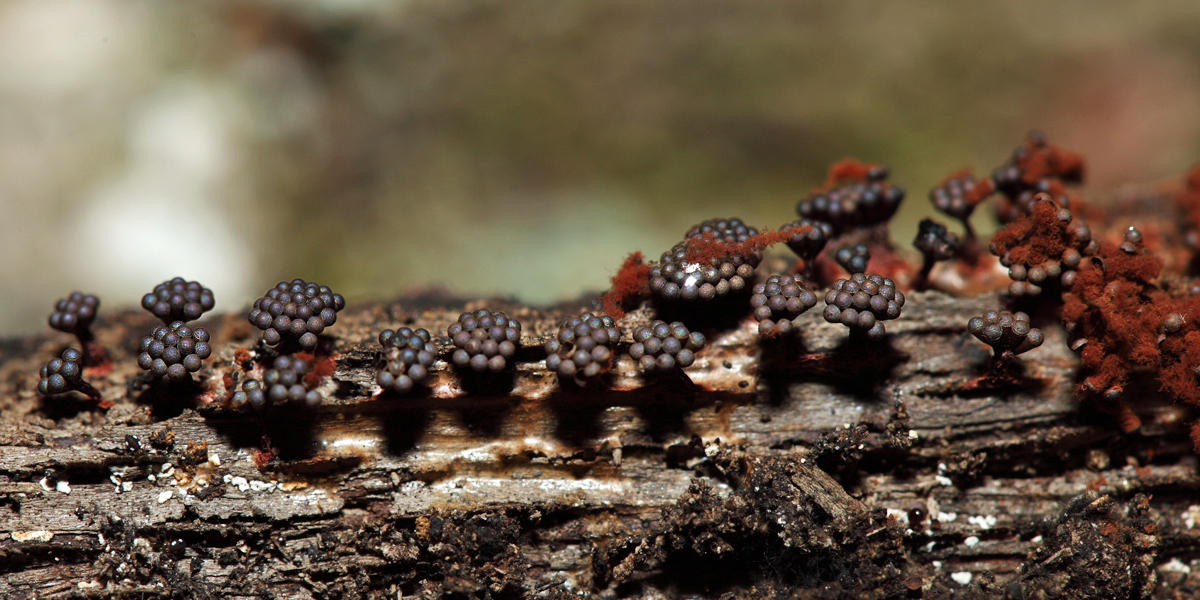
{"x":802,"y":467}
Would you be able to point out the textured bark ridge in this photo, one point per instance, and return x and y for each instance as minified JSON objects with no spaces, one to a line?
{"x":806,"y":466}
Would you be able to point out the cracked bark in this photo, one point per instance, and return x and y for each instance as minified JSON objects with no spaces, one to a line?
{"x":546,"y":491}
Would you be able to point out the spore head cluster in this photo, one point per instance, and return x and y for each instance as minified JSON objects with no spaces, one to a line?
{"x":778,"y":301}
{"x":62,"y":373}
{"x":285,"y":385}
{"x":935,"y":242}
{"x":1042,"y":248}
{"x":178,"y":300}
{"x":174,"y":351}
{"x":811,"y":240}
{"x":297,"y":311}
{"x":484,"y":340}
{"x":951,"y":197}
{"x":1006,"y":332}
{"x":863,"y":302}
{"x":583,"y":347}
{"x":853,"y":204}
{"x":407,"y":356}
{"x":708,"y":262}
{"x":75,"y":313}
{"x":853,"y":258}
{"x":662,"y":347}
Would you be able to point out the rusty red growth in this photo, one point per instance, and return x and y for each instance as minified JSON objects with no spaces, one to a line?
{"x":1188,"y":202}
{"x":706,"y":248}
{"x":320,"y":367}
{"x":630,"y":284}
{"x":848,"y":169}
{"x":1037,"y":237}
{"x":1042,"y":160}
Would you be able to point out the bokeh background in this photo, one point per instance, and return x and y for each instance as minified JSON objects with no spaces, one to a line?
{"x":522,"y":147}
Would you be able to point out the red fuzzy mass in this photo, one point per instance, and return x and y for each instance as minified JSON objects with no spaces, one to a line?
{"x":849,"y":169}
{"x":1188,"y":202}
{"x":630,"y":284}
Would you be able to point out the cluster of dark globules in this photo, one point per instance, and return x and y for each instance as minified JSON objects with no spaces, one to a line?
{"x":296,"y":310}
{"x":936,"y":244}
{"x":407,"y":356}
{"x":779,"y":300}
{"x":75,"y":313}
{"x":863,"y":302}
{"x":675,"y":277}
{"x":63,"y":374}
{"x":810,"y":241}
{"x":956,"y":198}
{"x":178,"y":300}
{"x":853,"y":258}
{"x":174,"y":351}
{"x":1043,"y":247}
{"x":851,"y":204}
{"x":583,"y":346}
{"x":282,"y":385}
{"x":662,"y":347}
{"x":1006,"y":332}
{"x":484,"y":340}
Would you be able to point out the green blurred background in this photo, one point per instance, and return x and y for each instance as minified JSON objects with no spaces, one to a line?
{"x":523,"y":147}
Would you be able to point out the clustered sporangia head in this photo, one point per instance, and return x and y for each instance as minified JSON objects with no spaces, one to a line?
{"x":407,"y":356}
{"x":1042,"y":248}
{"x":662,"y":347}
{"x":858,"y":202}
{"x":685,"y":273}
{"x":811,"y":239}
{"x":298,"y":311}
{"x":1006,"y":332}
{"x":863,"y":302}
{"x":484,"y":340}
{"x":64,"y":374}
{"x":583,"y":346}
{"x":75,"y":313}
{"x":778,"y":301}
{"x":174,"y":351}
{"x":853,"y":258}
{"x":957,"y":196}
{"x":283,"y":385}
{"x":936,"y":244}
{"x":178,"y":300}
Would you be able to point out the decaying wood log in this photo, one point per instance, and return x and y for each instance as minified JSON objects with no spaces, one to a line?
{"x":807,"y":466}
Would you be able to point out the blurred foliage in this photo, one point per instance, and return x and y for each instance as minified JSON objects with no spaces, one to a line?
{"x":522,"y":148}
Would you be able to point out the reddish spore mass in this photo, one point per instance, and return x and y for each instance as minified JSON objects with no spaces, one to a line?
{"x":630,"y":283}
{"x":848,"y":169}
{"x":706,"y":247}
{"x":1036,"y":238}
{"x":1049,"y":160}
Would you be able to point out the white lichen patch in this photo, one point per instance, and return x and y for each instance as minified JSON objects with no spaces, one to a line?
{"x":971,"y":542}
{"x":961,"y":577}
{"x":941,"y":475}
{"x":164,"y":495}
{"x":63,"y":487}
{"x":947,"y":517}
{"x":1176,"y":566}
{"x":984,"y":522}
{"x":1191,"y":516}
{"x":33,"y":536}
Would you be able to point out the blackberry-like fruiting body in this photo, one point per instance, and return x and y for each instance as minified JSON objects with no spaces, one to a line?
{"x":863,"y":302}
{"x":678,"y":276}
{"x":64,"y":374}
{"x":583,"y":347}
{"x":282,"y":385}
{"x":778,"y":301}
{"x":296,"y":310}
{"x":854,"y":204}
{"x":808,"y":245}
{"x":178,"y":300}
{"x":1007,"y":333}
{"x":407,"y":356}
{"x":662,"y":347}
{"x":75,"y":313}
{"x":854,"y":258}
{"x":174,"y":351}
{"x":936,"y":244}
{"x":957,"y":196}
{"x":1044,"y":250}
{"x":484,"y":340}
